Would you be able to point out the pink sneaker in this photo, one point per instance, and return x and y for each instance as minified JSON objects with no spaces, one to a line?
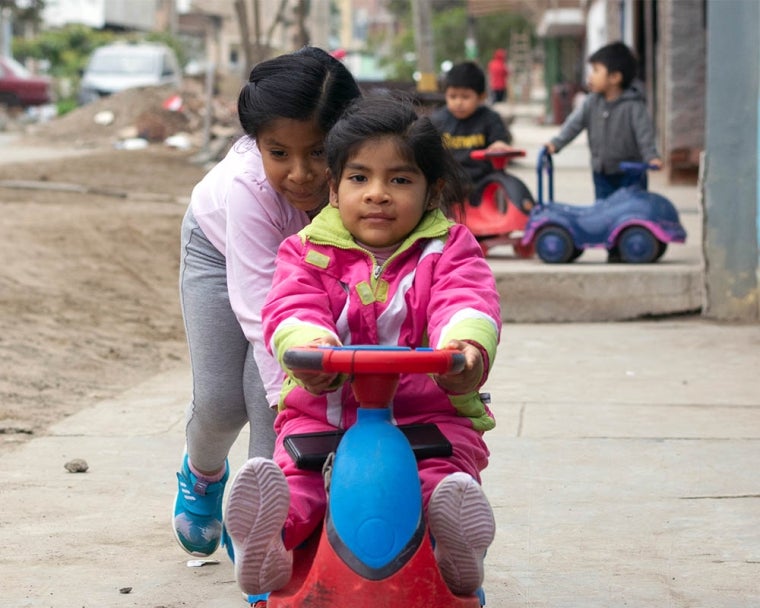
{"x":256,"y":512}
{"x":462,"y":524}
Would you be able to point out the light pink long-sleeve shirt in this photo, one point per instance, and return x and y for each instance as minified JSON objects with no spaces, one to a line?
{"x":246,"y":220}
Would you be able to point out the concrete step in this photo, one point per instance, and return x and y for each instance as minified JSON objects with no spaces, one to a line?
{"x":533,"y":292}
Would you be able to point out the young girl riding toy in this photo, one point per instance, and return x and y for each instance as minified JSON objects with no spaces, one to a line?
{"x":381,"y":265}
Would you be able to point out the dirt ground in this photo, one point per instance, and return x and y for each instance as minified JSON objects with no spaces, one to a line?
{"x":88,"y":281}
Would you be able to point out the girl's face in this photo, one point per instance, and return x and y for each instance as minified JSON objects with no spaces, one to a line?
{"x":380,"y":195}
{"x":293,"y":155}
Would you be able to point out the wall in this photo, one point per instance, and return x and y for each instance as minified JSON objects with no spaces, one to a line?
{"x":130,"y":14}
{"x":731,"y":182}
{"x":682,"y":55}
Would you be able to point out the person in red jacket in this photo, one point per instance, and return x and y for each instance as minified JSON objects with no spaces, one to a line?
{"x":498,"y":75}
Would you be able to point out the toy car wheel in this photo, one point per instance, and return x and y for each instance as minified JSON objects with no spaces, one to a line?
{"x":554,"y":245}
{"x":637,"y":245}
{"x":663,"y":248}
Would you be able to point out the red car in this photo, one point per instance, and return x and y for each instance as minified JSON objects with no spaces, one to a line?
{"x":20,"y":88}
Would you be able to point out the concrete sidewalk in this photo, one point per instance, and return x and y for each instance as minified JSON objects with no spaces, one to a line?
{"x":624,"y":472}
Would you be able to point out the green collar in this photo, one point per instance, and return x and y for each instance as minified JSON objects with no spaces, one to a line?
{"x":327,"y":229}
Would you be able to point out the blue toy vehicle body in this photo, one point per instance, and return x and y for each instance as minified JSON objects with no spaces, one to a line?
{"x":634,"y":225}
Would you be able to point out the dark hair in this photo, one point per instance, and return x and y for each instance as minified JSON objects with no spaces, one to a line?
{"x":466,"y":75}
{"x":307,"y":84}
{"x":379,"y":116}
{"x":617,"y":57}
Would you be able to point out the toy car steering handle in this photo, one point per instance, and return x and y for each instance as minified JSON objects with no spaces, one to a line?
{"x":633,"y":167}
{"x":498,"y":158}
{"x":374,"y":370}
{"x":488,"y":154}
{"x":356,"y":360}
{"x":545,"y":166}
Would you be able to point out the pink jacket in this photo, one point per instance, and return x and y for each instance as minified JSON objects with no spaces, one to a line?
{"x":436,"y":287}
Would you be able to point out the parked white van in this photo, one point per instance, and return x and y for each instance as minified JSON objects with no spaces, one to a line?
{"x":120,"y":66}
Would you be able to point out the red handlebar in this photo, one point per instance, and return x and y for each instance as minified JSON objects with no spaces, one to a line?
{"x":374,"y":370}
{"x":489,"y":154}
{"x":357,"y":360}
{"x":498,"y":158}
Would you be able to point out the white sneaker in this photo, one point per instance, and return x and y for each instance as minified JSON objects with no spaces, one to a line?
{"x":256,"y":511}
{"x":462,"y":524}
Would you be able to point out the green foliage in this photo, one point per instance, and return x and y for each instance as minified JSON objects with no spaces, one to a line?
{"x":494,"y":31}
{"x":450,"y":28}
{"x":400,"y":8}
{"x":449,"y":33}
{"x":66,"y":105}
{"x":402,"y":64}
{"x":66,"y":49}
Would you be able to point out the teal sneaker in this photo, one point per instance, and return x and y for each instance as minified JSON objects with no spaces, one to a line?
{"x":227,"y":544}
{"x":256,"y":601}
{"x":198,"y":512}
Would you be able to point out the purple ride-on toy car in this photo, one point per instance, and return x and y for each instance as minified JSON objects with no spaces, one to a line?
{"x":634,"y":225}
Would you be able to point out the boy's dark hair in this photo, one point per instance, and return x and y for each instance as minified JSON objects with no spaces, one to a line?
{"x":466,"y":75}
{"x":617,"y":57}
{"x":307,"y":84}
{"x":419,"y":142}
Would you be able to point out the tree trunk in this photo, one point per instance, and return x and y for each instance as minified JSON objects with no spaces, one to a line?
{"x":245,"y":37}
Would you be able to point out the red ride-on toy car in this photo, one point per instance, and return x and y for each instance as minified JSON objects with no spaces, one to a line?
{"x":373,"y":549}
{"x":503,"y":205}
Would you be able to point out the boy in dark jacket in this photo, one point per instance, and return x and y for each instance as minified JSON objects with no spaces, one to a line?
{"x":465,"y":123}
{"x":616,"y":119}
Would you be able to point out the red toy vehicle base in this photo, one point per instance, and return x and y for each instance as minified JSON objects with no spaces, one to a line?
{"x":488,"y":220}
{"x":501,"y":214}
{"x":322,"y":580}
{"x":493,"y":226}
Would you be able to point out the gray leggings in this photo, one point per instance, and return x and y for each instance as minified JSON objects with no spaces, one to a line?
{"x":227,"y":388}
